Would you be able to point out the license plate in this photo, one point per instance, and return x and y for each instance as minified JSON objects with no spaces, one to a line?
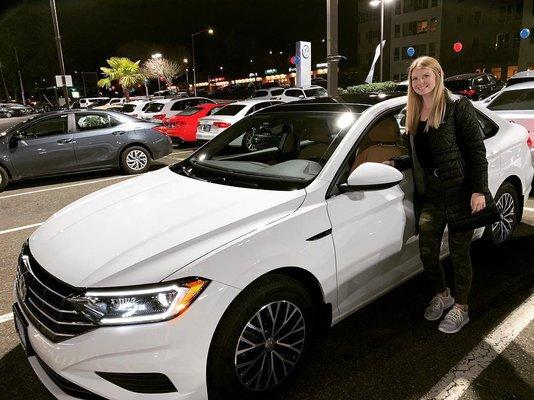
{"x":206,"y":128}
{"x":21,"y":329}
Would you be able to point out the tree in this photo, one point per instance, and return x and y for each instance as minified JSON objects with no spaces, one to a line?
{"x":162,"y":69}
{"x":123,"y":70}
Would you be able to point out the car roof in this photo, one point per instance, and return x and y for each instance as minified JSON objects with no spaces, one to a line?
{"x":470,"y":75}
{"x":328,"y":104}
{"x":521,"y":85}
{"x":523,"y":74}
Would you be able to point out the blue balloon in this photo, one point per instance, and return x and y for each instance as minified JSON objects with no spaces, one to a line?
{"x":410,"y":51}
{"x":525,"y":33}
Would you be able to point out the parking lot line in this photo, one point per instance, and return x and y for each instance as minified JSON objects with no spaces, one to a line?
{"x":6,"y":317}
{"x":20,"y":228}
{"x":453,"y":385}
{"x":67,"y":186}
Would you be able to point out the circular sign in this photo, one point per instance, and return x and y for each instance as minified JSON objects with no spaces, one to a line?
{"x":525,"y":33}
{"x":457,"y":47}
{"x":410,"y":51}
{"x":306,"y":51}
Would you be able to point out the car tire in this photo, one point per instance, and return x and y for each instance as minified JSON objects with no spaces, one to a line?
{"x":135,"y":160}
{"x":248,"y":143}
{"x":508,"y":204}
{"x":4,"y":178}
{"x":249,"y":319}
{"x":9,"y":115}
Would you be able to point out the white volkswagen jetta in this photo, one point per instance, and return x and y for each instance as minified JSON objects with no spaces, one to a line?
{"x":212,"y":277}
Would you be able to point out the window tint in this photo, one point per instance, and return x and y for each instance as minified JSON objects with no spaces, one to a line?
{"x":179,"y":105}
{"x":260,"y":93}
{"x":230,"y":109}
{"x":486,"y":126}
{"x":457,"y":84}
{"x":154,"y":107}
{"x":128,"y":107}
{"x":522,"y":99}
{"x":318,"y":92}
{"x":213,"y":110}
{"x":86,"y":122}
{"x":293,"y":93}
{"x":277,"y":92}
{"x":48,"y":127}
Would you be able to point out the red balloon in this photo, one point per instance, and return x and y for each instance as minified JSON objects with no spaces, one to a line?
{"x":457,"y":47}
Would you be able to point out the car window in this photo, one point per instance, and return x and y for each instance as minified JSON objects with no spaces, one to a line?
{"x":145,"y":107}
{"x":179,"y":105}
{"x":317,"y":92}
{"x":258,"y":106}
{"x":128,"y":107}
{"x":293,"y":93}
{"x":288,"y":150}
{"x":86,"y":122}
{"x":213,"y":110}
{"x":522,"y":99}
{"x":487,"y":127}
{"x":154,"y":107}
{"x":190,"y":111}
{"x":457,"y":84}
{"x":277,"y":92}
{"x":230,"y":109}
{"x":260,"y":93}
{"x":48,"y":127}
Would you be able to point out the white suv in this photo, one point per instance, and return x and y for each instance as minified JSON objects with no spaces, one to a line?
{"x":273,"y":93}
{"x":299,"y":93}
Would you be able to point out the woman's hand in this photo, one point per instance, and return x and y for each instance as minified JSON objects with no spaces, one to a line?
{"x":478,"y":202}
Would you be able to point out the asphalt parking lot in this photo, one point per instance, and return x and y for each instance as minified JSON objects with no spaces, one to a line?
{"x":384,"y":351}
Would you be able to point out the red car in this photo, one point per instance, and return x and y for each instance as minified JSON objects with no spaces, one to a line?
{"x":183,"y":126}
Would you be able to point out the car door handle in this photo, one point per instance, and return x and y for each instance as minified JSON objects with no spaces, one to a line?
{"x":62,"y":141}
{"x":117,"y":133}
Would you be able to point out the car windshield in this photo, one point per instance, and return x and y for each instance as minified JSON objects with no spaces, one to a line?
{"x":190,"y":111}
{"x":277,"y":92}
{"x":522,"y":99}
{"x":154,"y":107}
{"x":317,"y":92}
{"x":230,"y":109}
{"x":282,"y":150}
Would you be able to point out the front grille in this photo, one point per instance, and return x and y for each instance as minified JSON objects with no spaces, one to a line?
{"x":140,"y":382}
{"x":44,"y":300}
{"x":67,"y":386}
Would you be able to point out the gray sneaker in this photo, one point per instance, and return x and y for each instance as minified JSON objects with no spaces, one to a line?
{"x":454,"y":321}
{"x":437,"y":305}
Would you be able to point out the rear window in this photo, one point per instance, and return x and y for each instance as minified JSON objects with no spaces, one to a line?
{"x":190,"y":111}
{"x":154,"y":107}
{"x":128,"y":107}
{"x":294,"y":93}
{"x":522,"y":99}
{"x":457,"y":85}
{"x":319,"y":92}
{"x":230,"y":109}
{"x":260,"y":93}
{"x":277,"y":92}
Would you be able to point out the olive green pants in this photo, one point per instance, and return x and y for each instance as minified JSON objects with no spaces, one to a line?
{"x":432,"y":223}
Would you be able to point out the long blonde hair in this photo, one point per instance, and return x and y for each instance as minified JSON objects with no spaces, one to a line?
{"x":415,"y":101}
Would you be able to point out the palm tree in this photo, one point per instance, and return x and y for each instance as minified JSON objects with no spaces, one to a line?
{"x":123,"y":70}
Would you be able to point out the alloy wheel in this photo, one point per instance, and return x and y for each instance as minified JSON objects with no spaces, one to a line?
{"x":270,"y":345}
{"x":503,"y":228}
{"x":136,"y":160}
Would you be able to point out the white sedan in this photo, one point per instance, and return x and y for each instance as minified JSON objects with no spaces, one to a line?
{"x":230,"y":263}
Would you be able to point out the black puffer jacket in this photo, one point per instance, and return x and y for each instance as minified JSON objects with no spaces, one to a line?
{"x":460,"y":156}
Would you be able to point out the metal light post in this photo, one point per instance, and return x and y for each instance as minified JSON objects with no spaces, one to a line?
{"x":59,"y":51}
{"x":4,"y":82}
{"x":186,"y":61}
{"x":375,"y":3}
{"x":20,"y":76}
{"x":157,"y":56}
{"x":331,"y":47}
{"x":210,"y":32}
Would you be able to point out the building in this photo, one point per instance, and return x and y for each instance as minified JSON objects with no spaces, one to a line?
{"x":526,"y":47}
{"x":488,"y":32}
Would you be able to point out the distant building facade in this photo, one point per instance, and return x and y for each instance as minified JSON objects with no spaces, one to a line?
{"x":488,"y":31}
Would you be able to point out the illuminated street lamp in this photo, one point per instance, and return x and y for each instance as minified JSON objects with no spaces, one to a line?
{"x":186,"y":73}
{"x":210,"y":32}
{"x":157,"y":56}
{"x":381,"y":3}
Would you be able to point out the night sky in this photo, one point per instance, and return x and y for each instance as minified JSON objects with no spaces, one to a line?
{"x":93,"y":30}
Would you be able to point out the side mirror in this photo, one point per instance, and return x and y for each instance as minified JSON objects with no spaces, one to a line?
{"x":371,"y":176}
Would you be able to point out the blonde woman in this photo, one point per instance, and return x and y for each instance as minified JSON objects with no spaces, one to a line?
{"x":450,"y":171}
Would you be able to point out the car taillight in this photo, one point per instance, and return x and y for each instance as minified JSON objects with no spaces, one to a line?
{"x":530,"y":140}
{"x":468,"y":92}
{"x":222,"y":124}
{"x":159,"y":116}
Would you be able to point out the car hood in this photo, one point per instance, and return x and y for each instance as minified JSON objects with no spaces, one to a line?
{"x":144,"y":229}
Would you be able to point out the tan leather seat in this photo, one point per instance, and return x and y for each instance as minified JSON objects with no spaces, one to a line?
{"x":384,"y":137}
{"x":318,"y":132}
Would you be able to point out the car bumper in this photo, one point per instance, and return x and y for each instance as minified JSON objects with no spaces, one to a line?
{"x":162,"y":147}
{"x":201,"y":135}
{"x":177,"y":348}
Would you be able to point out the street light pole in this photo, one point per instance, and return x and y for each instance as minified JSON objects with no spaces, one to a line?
{"x":4,"y":82}
{"x":210,"y":31}
{"x":332,"y":56}
{"x":59,"y":51}
{"x":381,"y":40}
{"x":20,"y":76}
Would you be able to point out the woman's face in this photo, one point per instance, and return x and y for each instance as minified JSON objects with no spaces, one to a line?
{"x":423,"y":81}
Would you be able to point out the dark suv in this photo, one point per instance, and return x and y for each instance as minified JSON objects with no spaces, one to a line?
{"x":475,"y":86}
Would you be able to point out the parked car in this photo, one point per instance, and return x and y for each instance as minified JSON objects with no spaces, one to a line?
{"x":109,"y":104}
{"x":170,"y":92}
{"x":15,"y":109}
{"x":515,"y":103}
{"x":135,"y":108}
{"x":475,"y":86}
{"x":172,"y":107}
{"x":296,"y":93}
{"x":153,"y":107}
{"x":273,"y":93}
{"x":85,"y":102}
{"x":402,"y":87}
{"x":60,"y":143}
{"x":183,"y":126}
{"x":213,"y":277}
{"x":520,"y":77}
{"x":209,"y":127}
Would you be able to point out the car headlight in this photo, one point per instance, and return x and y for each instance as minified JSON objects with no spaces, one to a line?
{"x":139,"y":305}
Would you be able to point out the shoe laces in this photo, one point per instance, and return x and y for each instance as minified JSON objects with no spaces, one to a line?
{"x":455,"y":315}
{"x":436,"y":303}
